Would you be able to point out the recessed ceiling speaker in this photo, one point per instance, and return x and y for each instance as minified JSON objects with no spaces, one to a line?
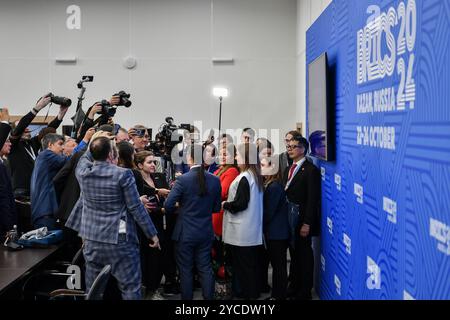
{"x":129,"y":62}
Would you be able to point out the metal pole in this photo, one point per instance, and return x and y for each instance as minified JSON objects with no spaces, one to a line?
{"x":220,"y":113}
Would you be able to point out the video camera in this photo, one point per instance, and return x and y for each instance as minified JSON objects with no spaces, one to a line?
{"x":166,"y":139}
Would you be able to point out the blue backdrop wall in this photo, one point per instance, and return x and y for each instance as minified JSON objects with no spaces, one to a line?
{"x":386,"y":198}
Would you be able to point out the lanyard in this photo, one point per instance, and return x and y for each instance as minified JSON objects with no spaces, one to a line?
{"x":31,"y":153}
{"x":293,"y":175}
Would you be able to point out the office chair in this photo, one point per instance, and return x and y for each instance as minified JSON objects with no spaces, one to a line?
{"x":95,"y":293}
{"x":39,"y":285}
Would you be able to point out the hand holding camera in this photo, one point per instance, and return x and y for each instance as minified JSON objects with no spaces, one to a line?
{"x":115,"y":100}
{"x":97,"y":108}
{"x":43,"y":102}
{"x":109,"y":107}
{"x":62,"y":101}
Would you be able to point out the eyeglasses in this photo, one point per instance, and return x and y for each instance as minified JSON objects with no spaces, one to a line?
{"x":144,"y":137}
{"x":289,"y":147}
{"x":155,"y":162}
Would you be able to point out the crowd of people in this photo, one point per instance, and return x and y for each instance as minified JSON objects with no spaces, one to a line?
{"x":233,"y":208}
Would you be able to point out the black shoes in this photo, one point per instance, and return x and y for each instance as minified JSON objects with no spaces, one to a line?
{"x":171,"y":288}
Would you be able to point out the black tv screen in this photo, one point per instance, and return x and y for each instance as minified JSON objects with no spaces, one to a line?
{"x":318,"y":109}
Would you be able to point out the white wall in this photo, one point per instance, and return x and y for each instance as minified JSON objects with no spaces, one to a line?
{"x":173,"y":41}
{"x":307,"y":12}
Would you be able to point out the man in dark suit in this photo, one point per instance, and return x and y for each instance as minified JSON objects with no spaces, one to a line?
{"x":8,"y":216}
{"x":199,"y":195}
{"x":43,"y":197}
{"x":303,"y":191}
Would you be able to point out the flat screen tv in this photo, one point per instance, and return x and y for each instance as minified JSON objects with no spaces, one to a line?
{"x":319,"y":113}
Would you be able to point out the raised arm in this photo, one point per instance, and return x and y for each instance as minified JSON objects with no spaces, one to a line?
{"x":28,"y":118}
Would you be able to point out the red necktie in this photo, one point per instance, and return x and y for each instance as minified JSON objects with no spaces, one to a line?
{"x":291,"y":171}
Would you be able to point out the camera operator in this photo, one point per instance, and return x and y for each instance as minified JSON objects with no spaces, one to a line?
{"x":139,"y":136}
{"x":96,"y":108}
{"x":24,"y":148}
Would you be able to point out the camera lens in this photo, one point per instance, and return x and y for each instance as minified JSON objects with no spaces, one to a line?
{"x":126,"y":102}
{"x":61,"y":100}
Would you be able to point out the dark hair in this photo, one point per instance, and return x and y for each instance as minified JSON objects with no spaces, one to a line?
{"x":248,"y":152}
{"x":316,"y":138}
{"x":293,"y":133}
{"x":100,"y":148}
{"x":107,"y":128}
{"x":51,"y":138}
{"x":226,"y":136}
{"x":250,"y":131}
{"x":228,"y":140}
{"x":302,"y":141}
{"x":213,"y":153}
{"x":193,"y":152}
{"x":263,"y":144}
{"x":276,"y":177}
{"x":126,"y":153}
{"x":226,"y":166}
{"x":44,"y":132}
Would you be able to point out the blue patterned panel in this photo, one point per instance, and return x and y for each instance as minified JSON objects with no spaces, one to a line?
{"x":386,"y":198}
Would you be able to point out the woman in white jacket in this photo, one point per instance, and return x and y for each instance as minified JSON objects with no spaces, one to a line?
{"x":242,"y":222}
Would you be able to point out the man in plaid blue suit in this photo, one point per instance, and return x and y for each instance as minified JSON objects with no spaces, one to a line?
{"x":105,"y":217}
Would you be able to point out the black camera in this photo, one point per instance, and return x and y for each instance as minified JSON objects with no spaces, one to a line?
{"x":60,"y":100}
{"x":167,"y":138}
{"x":107,"y":109}
{"x":124,"y":99}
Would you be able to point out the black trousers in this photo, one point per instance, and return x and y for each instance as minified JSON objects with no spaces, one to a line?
{"x":155,"y":263}
{"x":276,"y":250}
{"x":303,"y":274}
{"x":245,"y":270}
{"x":292,"y":263}
{"x":263,"y":266}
